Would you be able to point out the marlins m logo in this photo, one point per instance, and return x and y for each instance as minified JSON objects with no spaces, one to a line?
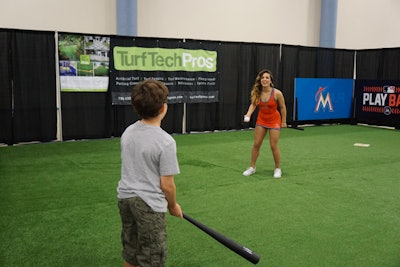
{"x":323,"y":102}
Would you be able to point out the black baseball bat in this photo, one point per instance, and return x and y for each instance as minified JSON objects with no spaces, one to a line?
{"x":232,"y":245}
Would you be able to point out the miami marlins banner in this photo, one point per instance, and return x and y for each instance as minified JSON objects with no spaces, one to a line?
{"x":378,"y":100}
{"x":189,"y":69}
{"x":323,"y":99}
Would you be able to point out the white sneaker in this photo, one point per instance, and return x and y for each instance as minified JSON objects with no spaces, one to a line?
{"x":249,"y":171}
{"x":277,"y":173}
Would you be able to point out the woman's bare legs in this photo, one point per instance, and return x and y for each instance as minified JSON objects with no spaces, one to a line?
{"x":259,"y":134}
{"x":273,"y":141}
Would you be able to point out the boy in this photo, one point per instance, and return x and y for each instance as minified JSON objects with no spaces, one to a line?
{"x":147,"y":188}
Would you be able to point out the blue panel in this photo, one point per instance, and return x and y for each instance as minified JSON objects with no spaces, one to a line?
{"x":324,"y":99}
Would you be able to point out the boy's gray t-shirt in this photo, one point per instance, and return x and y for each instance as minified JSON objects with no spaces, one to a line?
{"x":147,"y":152}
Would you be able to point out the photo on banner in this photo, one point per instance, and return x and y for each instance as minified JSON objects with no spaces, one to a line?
{"x":83,"y":62}
{"x":187,"y":68}
{"x":323,"y":98}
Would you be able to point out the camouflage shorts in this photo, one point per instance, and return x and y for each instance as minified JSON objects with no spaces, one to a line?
{"x":143,"y":235}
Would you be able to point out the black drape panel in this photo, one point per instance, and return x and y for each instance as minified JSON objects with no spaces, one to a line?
{"x":391,"y":64}
{"x":311,"y":62}
{"x":172,"y":123}
{"x":296,"y":62}
{"x":287,"y":74}
{"x":344,"y":64}
{"x":6,"y":135}
{"x":307,"y":62}
{"x":378,"y":64}
{"x":34,"y":81}
{"x":325,"y":59}
{"x":86,"y":115}
{"x":236,"y":69}
{"x":202,"y":116}
{"x":334,"y":63}
{"x":123,"y":116}
{"x":27,"y":81}
{"x":369,"y":64}
{"x":267,"y":56}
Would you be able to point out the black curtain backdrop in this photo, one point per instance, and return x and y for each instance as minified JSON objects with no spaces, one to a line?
{"x":203,"y":116}
{"x":34,"y":77}
{"x":6,"y":122}
{"x":369,"y":64}
{"x":390,"y":64}
{"x":235,"y":67}
{"x":86,"y":115}
{"x":28,"y":86}
{"x":311,"y":62}
{"x":378,"y":64}
{"x":30,"y":81}
{"x":124,"y":115}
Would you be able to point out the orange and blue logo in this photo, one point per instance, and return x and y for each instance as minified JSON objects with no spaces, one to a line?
{"x":323,"y":98}
{"x":323,"y":102}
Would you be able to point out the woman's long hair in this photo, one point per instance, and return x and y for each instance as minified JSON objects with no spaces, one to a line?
{"x":257,"y":87}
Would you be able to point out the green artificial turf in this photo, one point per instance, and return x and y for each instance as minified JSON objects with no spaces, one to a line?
{"x":336,"y":204}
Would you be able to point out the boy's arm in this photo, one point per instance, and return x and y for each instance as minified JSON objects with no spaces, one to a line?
{"x":169,"y":189}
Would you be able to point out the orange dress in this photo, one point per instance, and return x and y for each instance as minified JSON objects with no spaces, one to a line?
{"x":268,"y":114}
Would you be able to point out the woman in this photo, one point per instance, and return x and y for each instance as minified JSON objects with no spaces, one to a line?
{"x":271,"y":117}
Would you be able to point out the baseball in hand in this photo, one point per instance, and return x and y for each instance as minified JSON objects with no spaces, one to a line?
{"x":246,"y":118}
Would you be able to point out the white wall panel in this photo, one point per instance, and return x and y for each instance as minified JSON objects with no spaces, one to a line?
{"x":264,"y":21}
{"x":84,"y":16}
{"x":364,"y":24}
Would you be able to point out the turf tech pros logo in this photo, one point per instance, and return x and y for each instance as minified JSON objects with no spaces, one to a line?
{"x":323,"y":102}
{"x":164,"y":59}
{"x":381,"y":99}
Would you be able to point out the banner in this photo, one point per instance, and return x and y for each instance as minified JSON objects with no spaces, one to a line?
{"x":188,"y":69}
{"x":323,"y":99}
{"x":378,"y":100}
{"x":83,"y":63}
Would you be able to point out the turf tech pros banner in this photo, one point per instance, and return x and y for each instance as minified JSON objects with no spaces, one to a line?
{"x":83,"y":63}
{"x":189,"y":69}
{"x":378,"y":100}
{"x":323,"y":99}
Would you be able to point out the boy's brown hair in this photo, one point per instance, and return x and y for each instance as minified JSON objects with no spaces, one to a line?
{"x":148,"y":97}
